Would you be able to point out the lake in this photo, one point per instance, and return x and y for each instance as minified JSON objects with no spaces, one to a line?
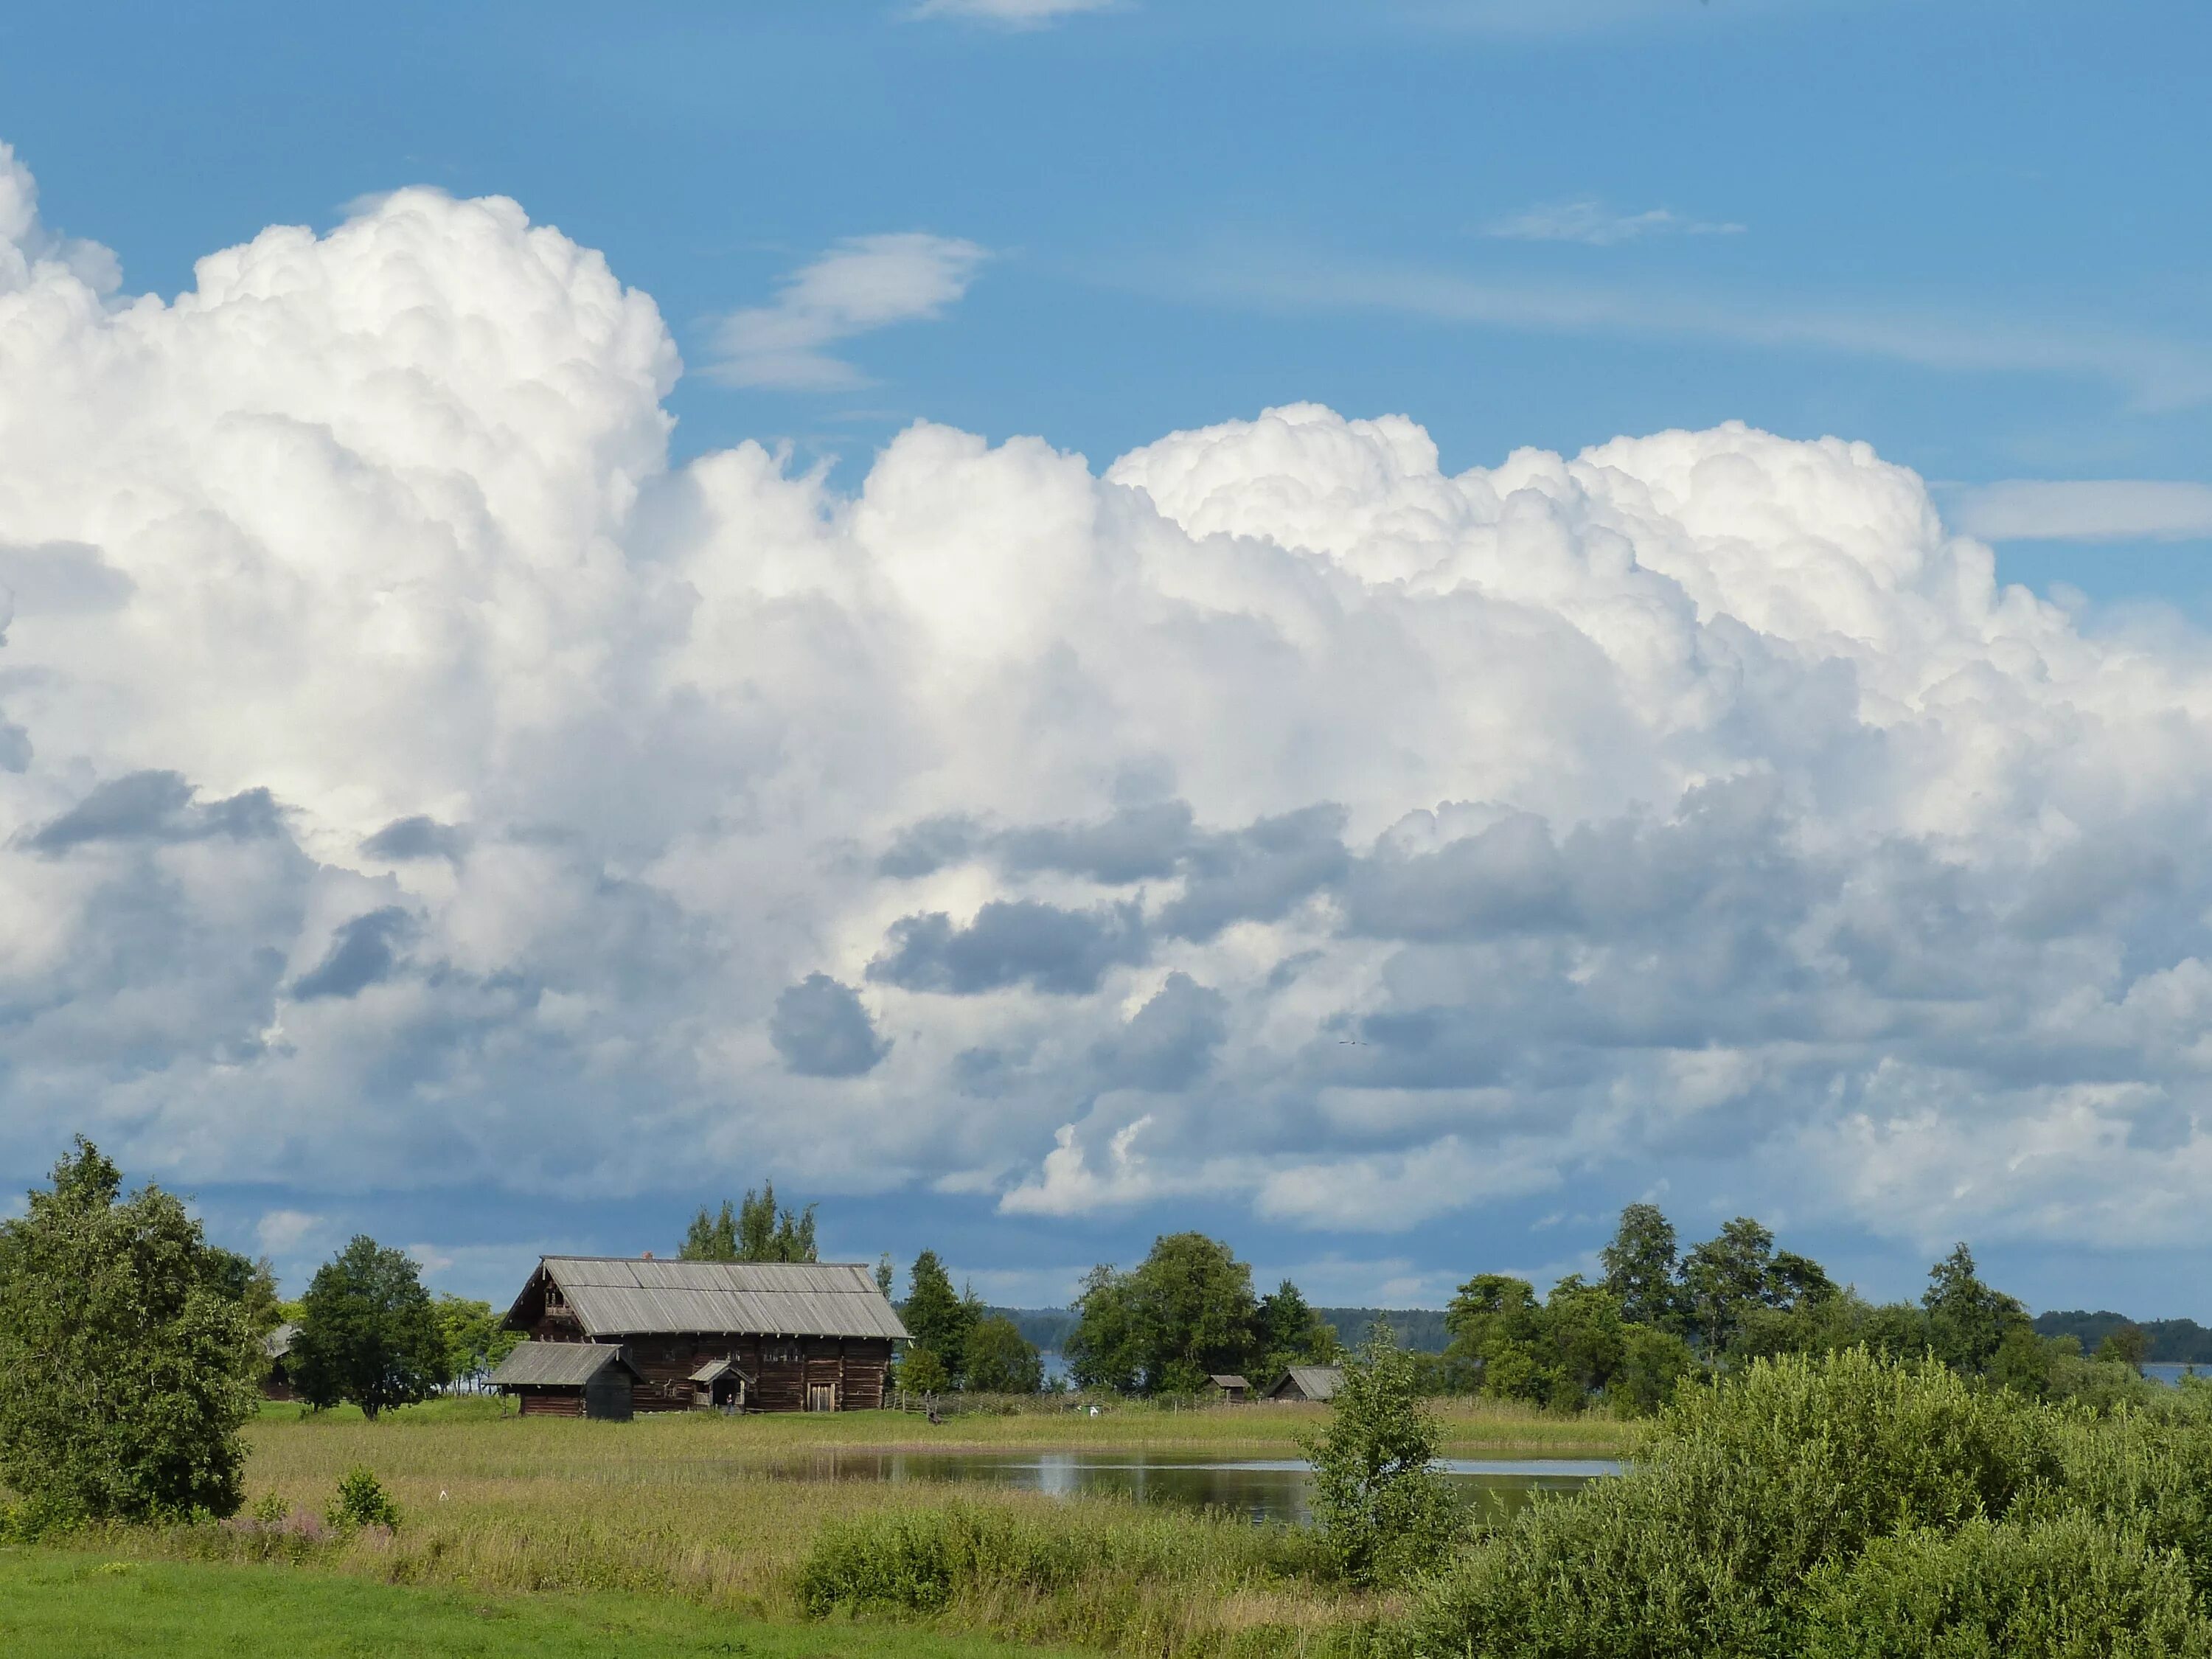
{"x":1257,"y":1488}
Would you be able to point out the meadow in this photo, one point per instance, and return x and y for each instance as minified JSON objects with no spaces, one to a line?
{"x":703,"y":1510}
{"x":71,"y":1604}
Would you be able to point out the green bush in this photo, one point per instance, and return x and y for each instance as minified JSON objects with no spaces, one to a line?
{"x":2066,"y":1588}
{"x":925,"y":1560}
{"x":917,"y":1561}
{"x":1739,"y":1493}
{"x":1383,"y":1511}
{"x":361,"y":1501}
{"x":2140,"y":1473}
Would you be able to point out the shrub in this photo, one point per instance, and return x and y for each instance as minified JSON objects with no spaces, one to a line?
{"x":1740,"y":1492}
{"x":361,"y":1501}
{"x":2139,"y":1473}
{"x":2068,"y":1588}
{"x":918,"y":1560}
{"x":1382,"y":1509}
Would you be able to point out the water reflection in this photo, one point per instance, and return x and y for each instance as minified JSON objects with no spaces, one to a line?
{"x":1260,"y":1489}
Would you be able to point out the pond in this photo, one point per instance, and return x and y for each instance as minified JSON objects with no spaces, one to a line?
{"x":1257,"y":1488}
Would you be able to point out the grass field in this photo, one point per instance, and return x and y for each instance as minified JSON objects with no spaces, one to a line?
{"x":1470,"y":1427}
{"x":719,"y":1514}
{"x":74,"y":1606}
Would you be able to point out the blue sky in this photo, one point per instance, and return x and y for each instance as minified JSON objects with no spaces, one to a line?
{"x":1971,"y":235}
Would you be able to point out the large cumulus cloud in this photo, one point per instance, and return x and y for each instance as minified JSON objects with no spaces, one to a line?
{"x":408,"y":775}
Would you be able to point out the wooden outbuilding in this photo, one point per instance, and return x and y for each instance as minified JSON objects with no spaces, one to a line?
{"x":756,"y":1336}
{"x":1309,"y":1383}
{"x":569,"y":1379}
{"x":1229,"y":1388}
{"x":277,"y":1374}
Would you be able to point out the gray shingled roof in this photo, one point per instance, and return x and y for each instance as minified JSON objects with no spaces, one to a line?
{"x":1228,"y":1380}
{"x":1315,"y":1382}
{"x":619,"y":1296}
{"x":279,"y":1342}
{"x":715,"y":1370}
{"x":556,"y":1365}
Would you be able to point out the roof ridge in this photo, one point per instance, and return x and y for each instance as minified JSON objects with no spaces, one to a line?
{"x":693,"y":1262}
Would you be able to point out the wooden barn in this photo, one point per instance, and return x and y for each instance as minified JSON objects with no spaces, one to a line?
{"x":759,"y":1336}
{"x":569,"y":1379}
{"x":1309,"y":1383}
{"x":1229,"y":1388}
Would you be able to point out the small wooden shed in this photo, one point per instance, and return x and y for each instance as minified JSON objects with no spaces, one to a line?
{"x":1229,"y":1388}
{"x":1309,"y":1383}
{"x":569,"y":1379}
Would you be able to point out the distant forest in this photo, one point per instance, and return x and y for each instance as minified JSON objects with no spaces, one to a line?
{"x":2173,"y":1341}
{"x":1421,"y":1329}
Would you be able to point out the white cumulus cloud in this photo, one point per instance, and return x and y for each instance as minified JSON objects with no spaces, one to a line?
{"x":410,"y":779}
{"x":865,"y":283}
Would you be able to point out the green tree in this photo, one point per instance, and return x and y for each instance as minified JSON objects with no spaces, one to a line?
{"x":1495,"y":1323}
{"x":1187,"y":1312}
{"x":126,"y":1369}
{"x":885,"y":1273}
{"x":1108,"y":1348}
{"x":1967,"y":1319}
{"x":249,"y":1282}
{"x":1383,"y":1510}
{"x":1000,"y":1360}
{"x":2129,"y":1343}
{"x":1725,"y":1279}
{"x":711,"y":1237}
{"x":937,"y":1317}
{"x":1583,"y":1332}
{"x":753,"y":1231}
{"x":369,"y":1332}
{"x":920,"y":1371}
{"x":472,"y":1337}
{"x":1640,"y":1266}
{"x":1287,"y":1331}
{"x":1653,"y":1363}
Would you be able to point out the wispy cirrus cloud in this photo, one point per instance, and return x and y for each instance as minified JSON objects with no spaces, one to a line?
{"x":864,"y":284}
{"x":1595,"y":225}
{"x":1013,"y":13}
{"x":2084,"y":510}
{"x":2154,"y":372}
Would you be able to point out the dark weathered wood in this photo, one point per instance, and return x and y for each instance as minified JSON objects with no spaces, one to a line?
{"x":784,"y":1368}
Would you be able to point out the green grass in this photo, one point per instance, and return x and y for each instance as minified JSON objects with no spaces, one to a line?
{"x":73,"y":1606}
{"x":714,"y":1518}
{"x":1470,"y":1427}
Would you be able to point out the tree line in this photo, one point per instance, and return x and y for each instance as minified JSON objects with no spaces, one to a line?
{"x":1660,"y":1314}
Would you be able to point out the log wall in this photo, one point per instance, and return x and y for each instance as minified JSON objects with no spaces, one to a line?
{"x":845,"y":1373}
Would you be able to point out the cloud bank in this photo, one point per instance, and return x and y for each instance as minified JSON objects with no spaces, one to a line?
{"x":411,"y":779}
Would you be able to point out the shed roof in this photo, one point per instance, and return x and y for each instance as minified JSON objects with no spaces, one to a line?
{"x":1314,"y":1381}
{"x":623,"y":1296}
{"x":557,"y":1365}
{"x":279,"y":1342}
{"x":715,"y":1370}
{"x":1228,"y":1380}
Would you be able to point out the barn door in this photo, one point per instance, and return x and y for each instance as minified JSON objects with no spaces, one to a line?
{"x":822,"y":1397}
